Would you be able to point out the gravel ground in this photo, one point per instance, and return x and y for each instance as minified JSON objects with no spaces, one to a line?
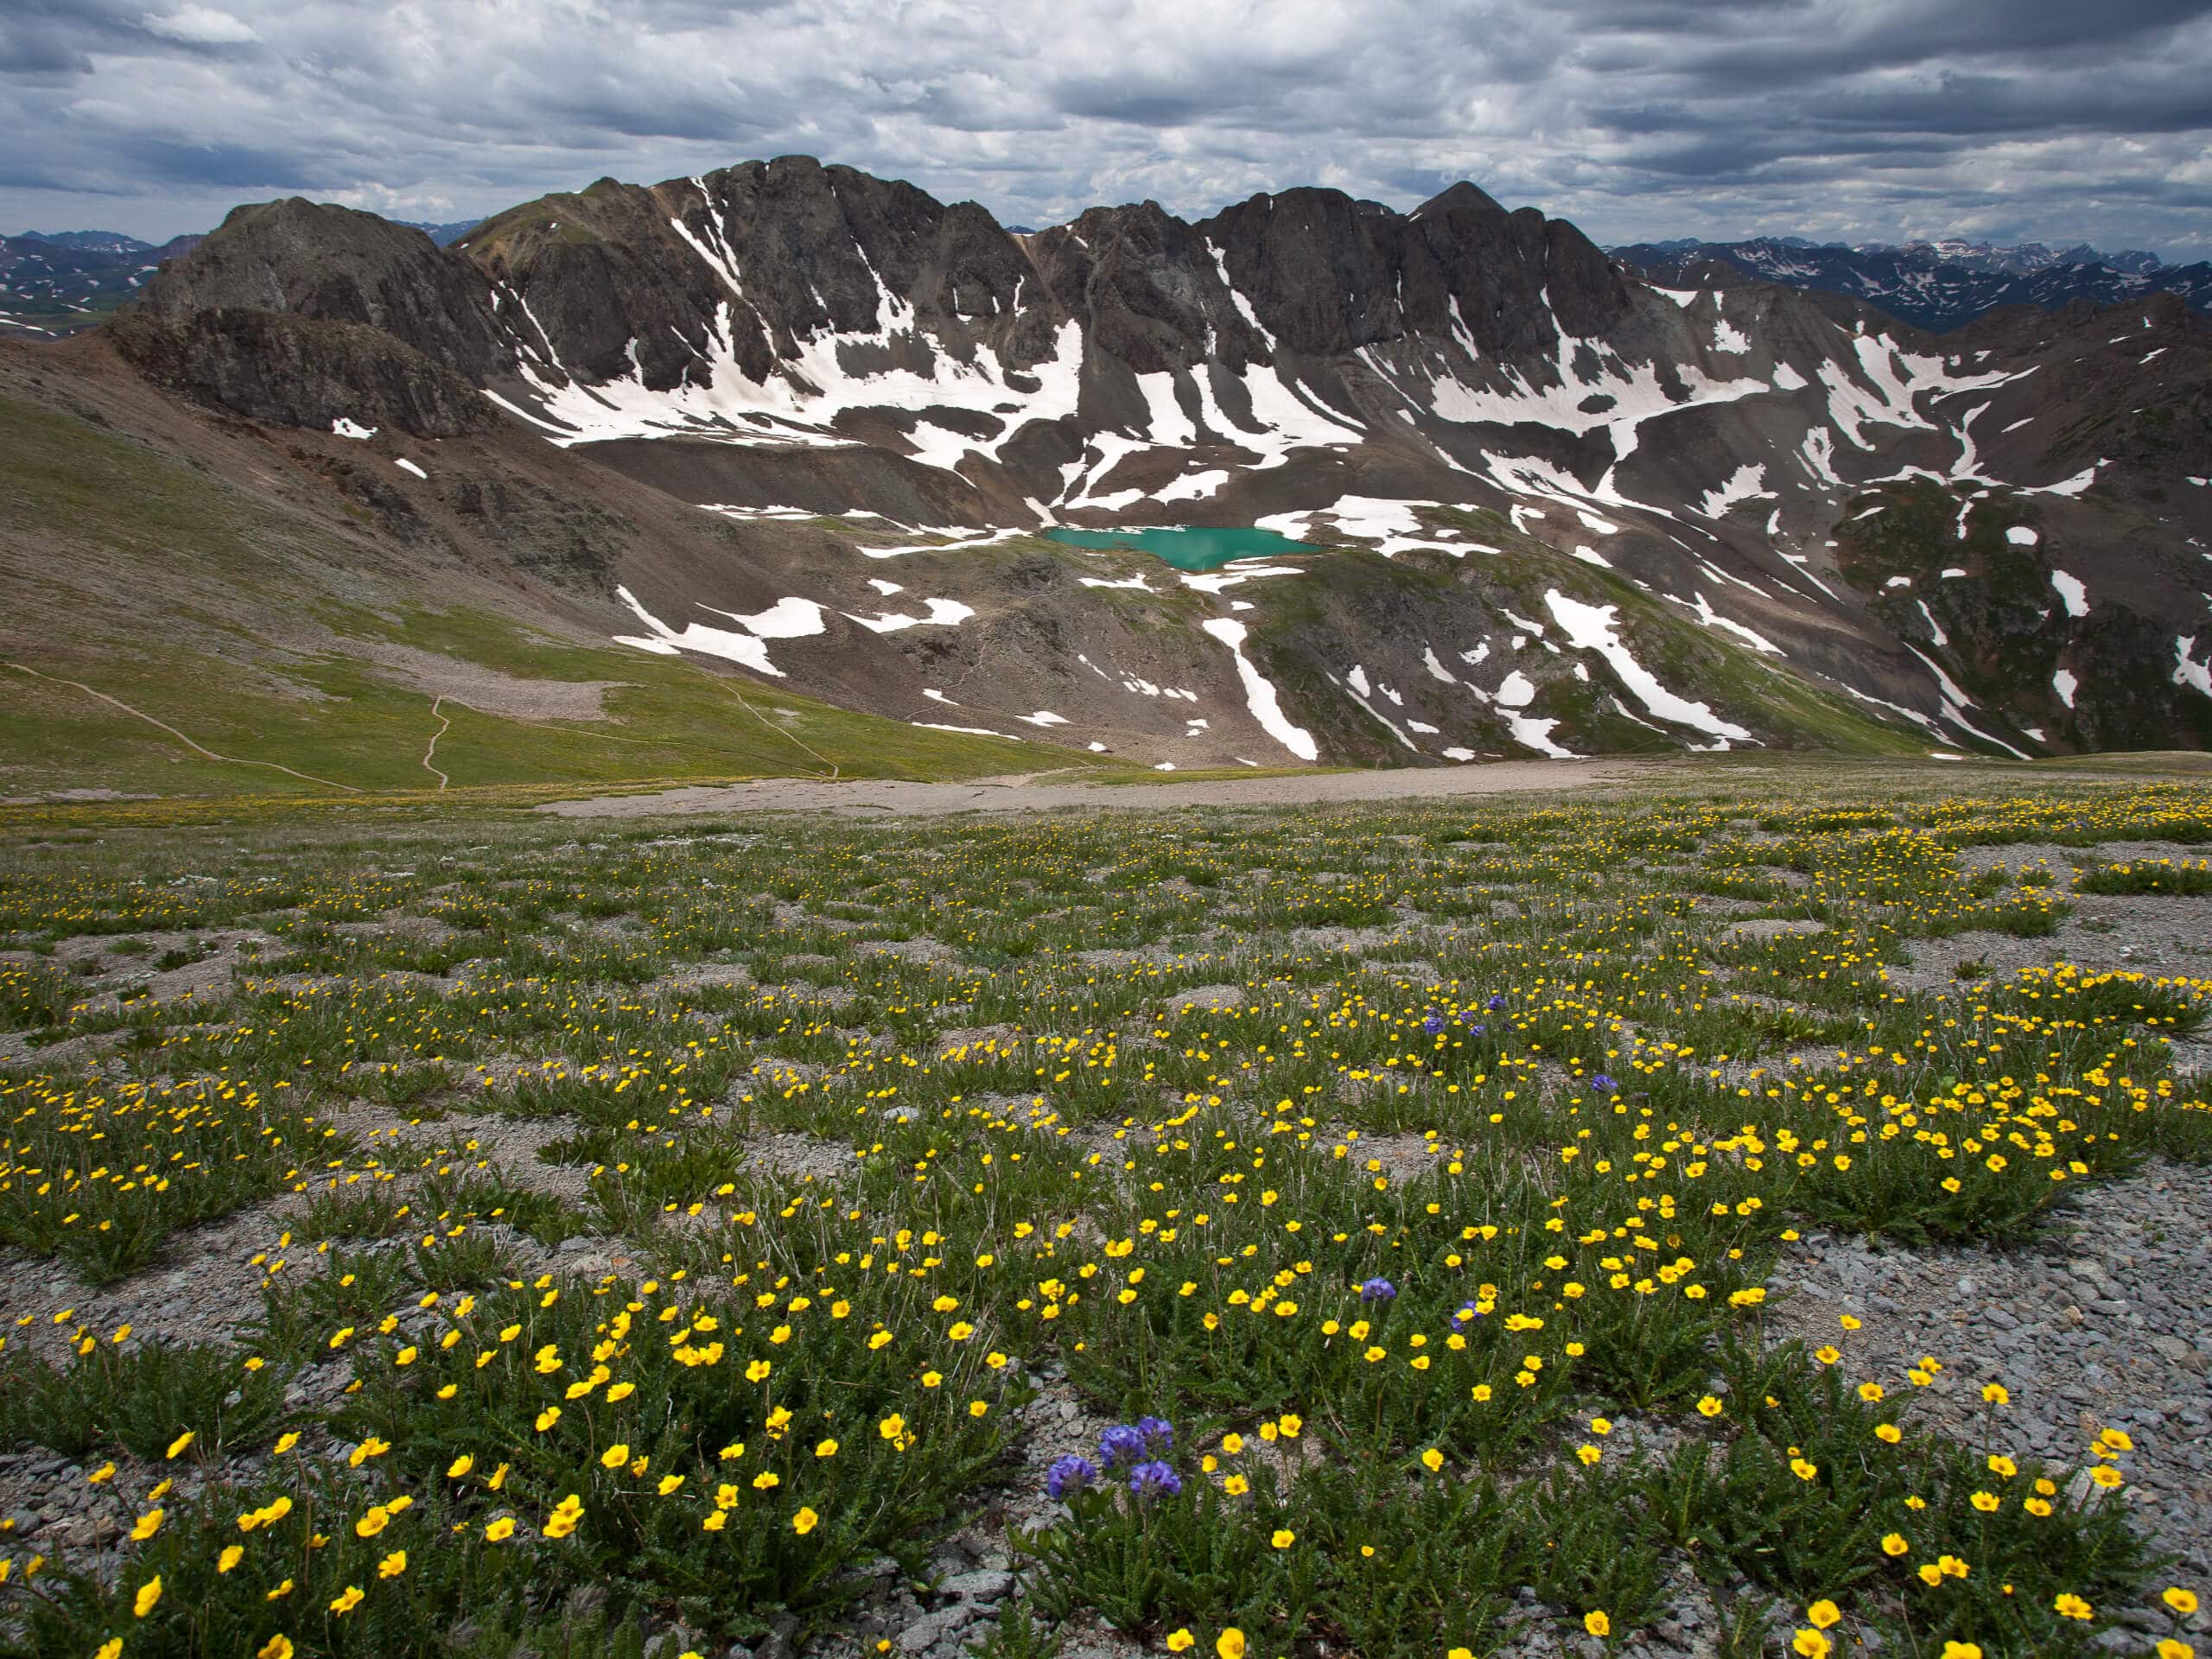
{"x":2101,"y":1321}
{"x":1002,"y":795}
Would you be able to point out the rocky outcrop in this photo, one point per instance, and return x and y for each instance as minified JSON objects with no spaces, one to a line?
{"x":327,"y":263}
{"x":302,"y":313}
{"x":288,"y":370}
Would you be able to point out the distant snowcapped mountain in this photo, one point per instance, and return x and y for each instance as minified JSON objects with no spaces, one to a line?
{"x":89,"y":241}
{"x":55,"y":282}
{"x":1938,"y":286}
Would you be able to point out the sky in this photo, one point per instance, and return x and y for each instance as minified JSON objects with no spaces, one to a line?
{"x":1854,"y":120}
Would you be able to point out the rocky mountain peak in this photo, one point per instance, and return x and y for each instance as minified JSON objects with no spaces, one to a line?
{"x":328,"y":263}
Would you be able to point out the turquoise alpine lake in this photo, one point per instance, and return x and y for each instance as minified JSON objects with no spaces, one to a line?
{"x":1188,"y":549}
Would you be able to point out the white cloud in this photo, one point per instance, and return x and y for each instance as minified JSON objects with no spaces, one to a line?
{"x":1858,"y":119}
{"x":201,"y":26}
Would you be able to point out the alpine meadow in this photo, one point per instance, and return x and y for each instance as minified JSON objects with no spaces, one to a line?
{"x":1316,"y":831}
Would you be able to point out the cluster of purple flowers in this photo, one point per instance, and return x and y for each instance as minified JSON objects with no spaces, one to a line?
{"x":1433,"y":1023}
{"x":1154,"y":1478}
{"x":1602,"y":1084}
{"x":1137,"y":1448}
{"x":1067,"y":1472}
{"x":1377,"y":1290}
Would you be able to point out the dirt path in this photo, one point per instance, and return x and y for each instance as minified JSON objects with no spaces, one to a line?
{"x":227,"y":759}
{"x":445,"y":724}
{"x":1003,"y":795}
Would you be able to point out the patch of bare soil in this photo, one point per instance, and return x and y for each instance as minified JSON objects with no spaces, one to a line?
{"x":488,"y":691}
{"x":990,"y":795}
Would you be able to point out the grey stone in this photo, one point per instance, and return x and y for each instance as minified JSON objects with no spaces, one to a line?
{"x":984,"y":1585}
{"x":931,"y":1627}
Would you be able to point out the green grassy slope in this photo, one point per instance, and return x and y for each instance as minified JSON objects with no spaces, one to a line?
{"x":162,"y":586}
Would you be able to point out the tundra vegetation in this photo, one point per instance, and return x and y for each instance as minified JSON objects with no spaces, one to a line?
{"x":1345,"y":1232}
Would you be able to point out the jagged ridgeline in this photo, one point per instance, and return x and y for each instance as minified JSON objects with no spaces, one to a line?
{"x":609,"y":453}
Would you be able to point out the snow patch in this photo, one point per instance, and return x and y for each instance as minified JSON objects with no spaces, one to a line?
{"x":1191,"y":486}
{"x":942,"y":613}
{"x":1236,"y":570}
{"x":1712,"y":619}
{"x":1260,"y":696}
{"x":1591,"y":628}
{"x":2188,"y":671}
{"x":746,"y":649}
{"x":787,"y":619}
{"x":1747,"y":483}
{"x":1394,"y":524}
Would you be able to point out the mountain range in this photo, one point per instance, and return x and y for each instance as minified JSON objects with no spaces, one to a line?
{"x":794,"y":427}
{"x":1938,"y":286}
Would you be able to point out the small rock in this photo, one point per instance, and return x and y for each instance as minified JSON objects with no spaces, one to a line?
{"x":985,"y":1586}
{"x":931,"y":1627}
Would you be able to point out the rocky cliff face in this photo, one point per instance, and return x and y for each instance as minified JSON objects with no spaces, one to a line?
{"x":1442,"y":394}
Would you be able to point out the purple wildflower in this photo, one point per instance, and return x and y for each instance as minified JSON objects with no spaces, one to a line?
{"x":1377,"y":1290}
{"x":1069,"y":1472}
{"x":1432,"y":1023}
{"x":1154,"y":1479}
{"x":1496,"y":1003}
{"x":1121,"y":1445}
{"x":1604,"y":1086}
{"x":1159,"y":1433}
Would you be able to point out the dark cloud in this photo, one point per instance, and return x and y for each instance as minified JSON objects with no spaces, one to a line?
{"x":1858,"y":119}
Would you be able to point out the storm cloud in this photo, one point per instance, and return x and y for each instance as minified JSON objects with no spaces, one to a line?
{"x":1859,"y":120}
